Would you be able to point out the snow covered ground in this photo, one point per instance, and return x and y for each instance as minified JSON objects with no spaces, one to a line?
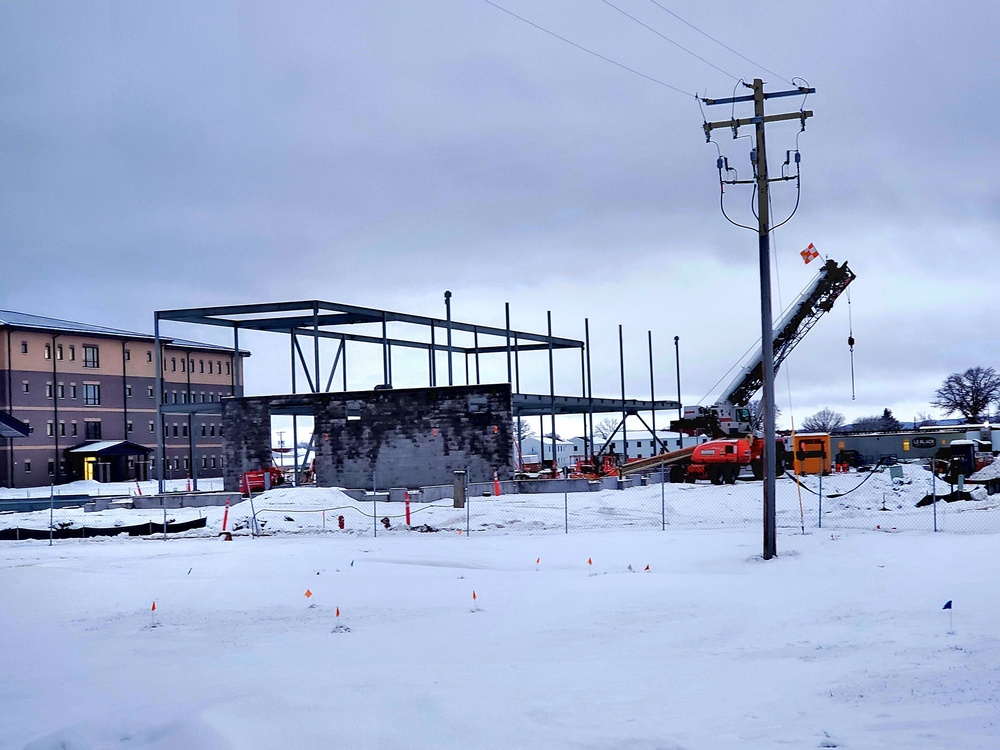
{"x":570,"y":642}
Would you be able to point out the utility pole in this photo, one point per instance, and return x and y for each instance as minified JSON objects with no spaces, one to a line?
{"x":758,"y":158}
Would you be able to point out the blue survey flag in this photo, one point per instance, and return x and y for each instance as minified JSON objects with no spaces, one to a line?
{"x":947,"y":605}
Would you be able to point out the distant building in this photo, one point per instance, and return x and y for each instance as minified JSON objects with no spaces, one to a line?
{"x":88,"y":395}
{"x":566,"y":452}
{"x":641,"y":443}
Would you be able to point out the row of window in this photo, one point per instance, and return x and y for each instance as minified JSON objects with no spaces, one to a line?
{"x":91,"y":354}
{"x":92,"y":358}
{"x":92,"y":429}
{"x":181,"y":430}
{"x":214,"y":462}
{"x":192,"y":397}
{"x":188,"y":364}
{"x":92,"y":393}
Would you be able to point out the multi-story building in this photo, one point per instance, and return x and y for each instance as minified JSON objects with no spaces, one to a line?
{"x":88,"y":395}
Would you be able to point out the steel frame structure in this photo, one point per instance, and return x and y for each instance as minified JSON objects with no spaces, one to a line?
{"x":318,"y":319}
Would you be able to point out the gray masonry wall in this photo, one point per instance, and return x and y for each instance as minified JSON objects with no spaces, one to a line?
{"x":389,"y":438}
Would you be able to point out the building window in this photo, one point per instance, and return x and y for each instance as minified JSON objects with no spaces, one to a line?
{"x":48,"y":351}
{"x":175,"y":430}
{"x":203,"y":430}
{"x":227,"y":368}
{"x":49,"y":429}
{"x":209,"y":367}
{"x":92,"y":394}
{"x":213,"y":462}
{"x":72,"y":353}
{"x":149,"y":355}
{"x":213,"y":430}
{"x":128,"y":355}
{"x":149,"y":390}
{"x":128,"y":391}
{"x":72,"y":390}
{"x":185,"y":464}
{"x":152,"y":428}
{"x":174,"y":396}
{"x":48,"y":390}
{"x":204,"y":462}
{"x":183,"y":397}
{"x":61,"y":390}
{"x":173,"y":364}
{"x":191,"y":365}
{"x":218,"y":366}
{"x":183,"y":365}
{"x":24,"y":386}
{"x":166,"y":430}
{"x":203,"y":397}
{"x":30,"y":428}
{"x":73,"y":428}
{"x":128,"y":426}
{"x":24,"y":347}
{"x":59,"y":351}
{"x":62,"y":428}
{"x":176,"y":464}
{"x":91,"y":356}
{"x":27,"y":466}
{"x":52,"y":468}
{"x":201,"y":365}
{"x":184,"y":431}
{"x":92,"y":430}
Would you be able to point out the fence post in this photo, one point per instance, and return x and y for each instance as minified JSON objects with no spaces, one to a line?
{"x":52,"y":502}
{"x":164,"y":501}
{"x":820,"y":514}
{"x":934,"y":491}
{"x":565,"y":508}
{"x":468,"y":505}
{"x":663,"y":501}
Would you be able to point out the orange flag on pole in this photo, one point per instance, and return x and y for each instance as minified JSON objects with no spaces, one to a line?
{"x":809,"y":254}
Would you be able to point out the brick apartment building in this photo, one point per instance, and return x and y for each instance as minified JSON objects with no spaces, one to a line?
{"x":88,"y":395}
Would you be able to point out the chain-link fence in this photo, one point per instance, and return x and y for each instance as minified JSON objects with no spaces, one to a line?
{"x":887,"y":498}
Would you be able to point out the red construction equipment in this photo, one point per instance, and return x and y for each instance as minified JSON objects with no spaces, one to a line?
{"x":260,"y":480}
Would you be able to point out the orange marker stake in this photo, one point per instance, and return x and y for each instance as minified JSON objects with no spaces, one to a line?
{"x":152,"y":616}
{"x":590,"y":561}
{"x":338,"y":611}
{"x":647,"y":568}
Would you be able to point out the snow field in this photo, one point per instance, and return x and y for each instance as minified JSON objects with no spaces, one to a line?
{"x":839,"y":642}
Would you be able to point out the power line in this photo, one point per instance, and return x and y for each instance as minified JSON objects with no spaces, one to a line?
{"x":721,"y":44}
{"x":589,"y":51}
{"x":668,"y":39}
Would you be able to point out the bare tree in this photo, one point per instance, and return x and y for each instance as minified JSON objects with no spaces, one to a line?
{"x":825,"y":420}
{"x":605,"y":428}
{"x":969,"y":393}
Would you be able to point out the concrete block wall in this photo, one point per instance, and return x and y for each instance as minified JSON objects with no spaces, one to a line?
{"x":388,"y":438}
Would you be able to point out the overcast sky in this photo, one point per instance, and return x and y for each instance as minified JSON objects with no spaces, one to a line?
{"x":157,"y":155}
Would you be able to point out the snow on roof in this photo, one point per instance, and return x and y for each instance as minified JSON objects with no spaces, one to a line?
{"x":27,"y":321}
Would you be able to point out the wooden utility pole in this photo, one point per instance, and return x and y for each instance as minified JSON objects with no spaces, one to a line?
{"x":758,"y":157}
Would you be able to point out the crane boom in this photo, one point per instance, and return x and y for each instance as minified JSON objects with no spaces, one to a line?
{"x":730,"y":415}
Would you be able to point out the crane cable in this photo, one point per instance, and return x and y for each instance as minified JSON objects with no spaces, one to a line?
{"x":850,"y":340}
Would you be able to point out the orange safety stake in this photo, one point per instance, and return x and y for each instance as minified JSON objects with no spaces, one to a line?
{"x":338,"y":611}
